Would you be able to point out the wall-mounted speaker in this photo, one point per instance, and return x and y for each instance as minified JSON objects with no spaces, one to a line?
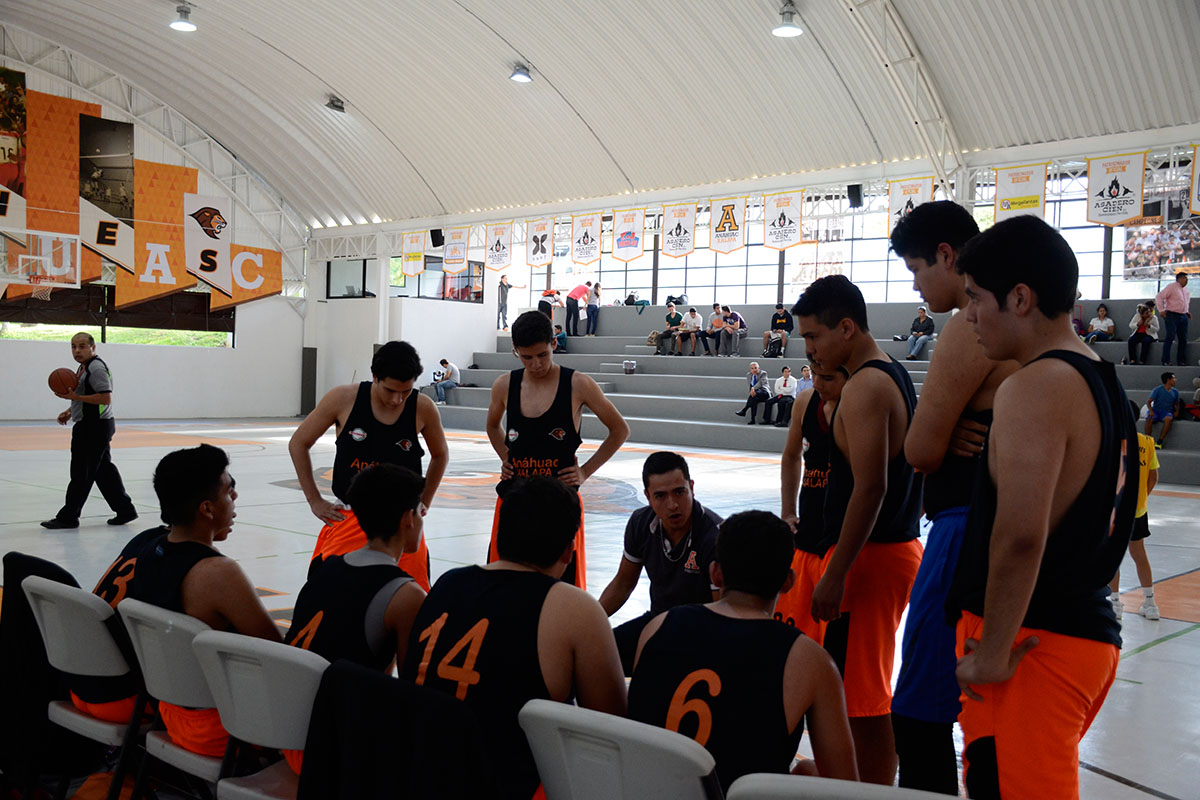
{"x":436,"y":238}
{"x":854,"y":195}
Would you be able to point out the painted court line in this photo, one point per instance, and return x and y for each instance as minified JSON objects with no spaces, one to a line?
{"x":1159,"y":641}
{"x":1112,"y":776}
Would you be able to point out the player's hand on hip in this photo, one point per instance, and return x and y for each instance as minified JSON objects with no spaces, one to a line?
{"x":792,"y":520}
{"x":973,"y":670}
{"x":64,"y":417}
{"x":572,"y":475}
{"x":506,"y":470}
{"x":327,"y":512}
{"x":827,"y":599}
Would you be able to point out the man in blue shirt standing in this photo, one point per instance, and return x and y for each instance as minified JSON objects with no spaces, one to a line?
{"x":1164,"y":405}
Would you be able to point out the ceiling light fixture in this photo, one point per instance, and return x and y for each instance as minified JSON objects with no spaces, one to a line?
{"x":336,"y":103}
{"x":183,"y":21}
{"x":787,"y":27}
{"x":520,"y":74}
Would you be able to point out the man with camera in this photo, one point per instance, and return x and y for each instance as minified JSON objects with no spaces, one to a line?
{"x":1144,"y":325}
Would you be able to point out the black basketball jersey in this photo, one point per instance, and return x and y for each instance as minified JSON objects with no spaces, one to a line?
{"x":719,"y":680}
{"x":331,"y":616}
{"x":1085,"y":550}
{"x":900,"y":514}
{"x":152,"y":569}
{"x":952,"y":484}
{"x":541,"y":445}
{"x":364,"y":441}
{"x":476,"y":638}
{"x":818,"y":438}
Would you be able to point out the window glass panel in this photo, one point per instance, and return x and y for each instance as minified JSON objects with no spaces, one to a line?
{"x":345,"y":278}
{"x":731,"y":276}
{"x":873,"y":292}
{"x":870,"y":249}
{"x":1091,"y":288}
{"x":760,"y":295}
{"x":1072,"y":213}
{"x":730,"y":296}
{"x":902,"y":292}
{"x":1093,"y":263}
{"x":1084,"y":240}
{"x":866,"y":271}
{"x":763,"y":274}
{"x":701,"y":277}
{"x":727,"y":259}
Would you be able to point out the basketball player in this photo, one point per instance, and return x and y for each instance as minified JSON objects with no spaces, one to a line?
{"x":498,"y":636}
{"x":804,"y":468}
{"x":377,"y":422}
{"x":1048,"y":526}
{"x":176,"y":567}
{"x":750,"y":681}
{"x":674,"y":539}
{"x":94,"y":425}
{"x":542,"y":404}
{"x":959,"y":387}
{"x":361,"y":605}
{"x":872,"y":508}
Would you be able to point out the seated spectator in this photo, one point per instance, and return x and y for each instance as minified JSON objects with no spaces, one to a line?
{"x":732,"y":332}
{"x":920,"y":333}
{"x":691,"y":331}
{"x":674,"y":539}
{"x":716,"y":323}
{"x":755,"y":706}
{"x":759,"y":384}
{"x":781,"y":325}
{"x":1144,"y":325}
{"x":560,"y":339}
{"x":550,"y":299}
{"x":783,"y":397}
{"x":674,"y":322}
{"x":805,"y":381}
{"x":451,"y":378}
{"x":176,"y":567}
{"x":1164,"y":407}
{"x":1101,"y":328}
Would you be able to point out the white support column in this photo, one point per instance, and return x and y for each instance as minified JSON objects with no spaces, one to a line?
{"x":383,"y":269}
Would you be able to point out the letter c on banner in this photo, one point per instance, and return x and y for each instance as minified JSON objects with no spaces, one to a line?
{"x":239,"y":261}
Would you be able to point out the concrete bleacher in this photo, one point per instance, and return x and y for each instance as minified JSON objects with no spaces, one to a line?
{"x":690,"y":401}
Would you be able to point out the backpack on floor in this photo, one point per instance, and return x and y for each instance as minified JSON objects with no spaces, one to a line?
{"x":774,"y":348}
{"x":652,"y":339}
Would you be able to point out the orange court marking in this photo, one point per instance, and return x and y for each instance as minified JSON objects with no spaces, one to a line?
{"x":58,"y":437}
{"x":1184,"y":495}
{"x":1177,"y":598}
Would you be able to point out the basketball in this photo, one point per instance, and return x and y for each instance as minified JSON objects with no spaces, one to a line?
{"x":63,"y":380}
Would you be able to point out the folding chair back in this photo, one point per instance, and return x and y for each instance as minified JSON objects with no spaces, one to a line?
{"x":72,"y":622}
{"x":162,"y":642}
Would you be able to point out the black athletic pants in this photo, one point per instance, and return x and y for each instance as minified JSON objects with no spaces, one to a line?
{"x":91,"y":463}
{"x":927,"y":757}
{"x":572,"y":317}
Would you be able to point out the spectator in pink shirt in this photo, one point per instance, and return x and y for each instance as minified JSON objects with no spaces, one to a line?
{"x":580,"y":292}
{"x":1173,"y":301}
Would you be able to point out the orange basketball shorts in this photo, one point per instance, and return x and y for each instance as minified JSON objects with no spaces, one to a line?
{"x":196,"y":729}
{"x":347,"y":536}
{"x":795,"y":605}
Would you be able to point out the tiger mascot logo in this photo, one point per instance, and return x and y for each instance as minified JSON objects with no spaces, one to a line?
{"x":558,"y":433}
{"x":211,"y":221}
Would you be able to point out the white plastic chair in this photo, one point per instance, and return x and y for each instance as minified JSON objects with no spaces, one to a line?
{"x":765,"y":786}
{"x":264,"y":692}
{"x":162,"y":642}
{"x":78,"y":642}
{"x":587,"y":755}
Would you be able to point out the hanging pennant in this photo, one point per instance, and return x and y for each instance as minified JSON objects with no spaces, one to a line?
{"x":781,"y":220}
{"x":1194,"y":203}
{"x":1020,"y":190}
{"x":499,"y":245}
{"x":207,"y":229}
{"x":1115,"y":188}
{"x":907,"y":194}
{"x":454,"y":250}
{"x":629,"y":228}
{"x":679,"y":230}
{"x":413,"y":253}
{"x":585,"y":238}
{"x":727,"y":224}
{"x":539,"y":241}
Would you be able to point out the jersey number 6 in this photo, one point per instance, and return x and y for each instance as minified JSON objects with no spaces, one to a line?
{"x":681,"y":706}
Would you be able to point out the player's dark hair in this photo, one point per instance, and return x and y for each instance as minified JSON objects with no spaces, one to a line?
{"x":444,"y":362}
{"x":1166,"y":376}
{"x":1024,"y":250}
{"x":381,"y":495}
{"x":717,"y":306}
{"x":397,"y":360}
{"x":726,"y":309}
{"x":539,"y":516}
{"x":184,"y":479}
{"x":754,"y":549}
{"x":661,"y":463}
{"x":91,"y":339}
{"x":532,"y":327}
{"x":1100,"y":307}
{"x":832,"y":299}
{"x":558,"y":327}
{"x":930,"y":224}
{"x":1180,"y":274}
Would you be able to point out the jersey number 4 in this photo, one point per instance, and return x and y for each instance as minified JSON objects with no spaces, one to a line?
{"x":681,"y":706}
{"x":465,"y":675}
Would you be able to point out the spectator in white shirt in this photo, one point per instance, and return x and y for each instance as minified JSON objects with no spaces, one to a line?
{"x":692,"y":329}
{"x":450,"y":379}
{"x":1101,"y":328}
{"x":784,"y":396}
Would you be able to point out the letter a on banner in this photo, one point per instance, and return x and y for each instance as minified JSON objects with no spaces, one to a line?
{"x":679,"y":230}
{"x":585,"y":238}
{"x":1020,"y":190}
{"x":781,"y":220}
{"x":454,"y":250}
{"x":539,"y":241}
{"x":412,"y":251}
{"x":499,"y":245}
{"x":1194,"y":203}
{"x":1115,"y":188}
{"x":727,"y":224}
{"x":629,"y":229}
{"x":905,"y":195}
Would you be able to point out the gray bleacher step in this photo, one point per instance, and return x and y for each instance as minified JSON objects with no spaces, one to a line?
{"x":1178,"y":466}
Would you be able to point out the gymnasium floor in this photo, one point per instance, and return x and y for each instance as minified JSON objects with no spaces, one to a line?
{"x":1143,"y":743}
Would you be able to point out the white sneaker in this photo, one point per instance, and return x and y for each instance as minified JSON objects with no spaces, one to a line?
{"x":1118,"y":606}
{"x":439,"y":402}
{"x":1148,"y":609}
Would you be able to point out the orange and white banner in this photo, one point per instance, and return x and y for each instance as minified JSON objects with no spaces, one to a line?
{"x":454,"y":250}
{"x":412,"y":253}
{"x":905,"y":195}
{"x":1115,"y":188}
{"x":1020,"y":190}
{"x":257,"y":273}
{"x":207,"y":229}
{"x":1194,"y":202}
{"x":12,"y":215}
{"x":629,"y":230}
{"x":727,"y":224}
{"x":103,"y":233}
{"x":781,"y":220}
{"x":585,"y":238}
{"x":539,"y":241}
{"x":679,"y":230}
{"x":499,"y":245}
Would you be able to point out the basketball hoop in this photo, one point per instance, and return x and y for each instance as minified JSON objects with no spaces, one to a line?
{"x":41,"y":288}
